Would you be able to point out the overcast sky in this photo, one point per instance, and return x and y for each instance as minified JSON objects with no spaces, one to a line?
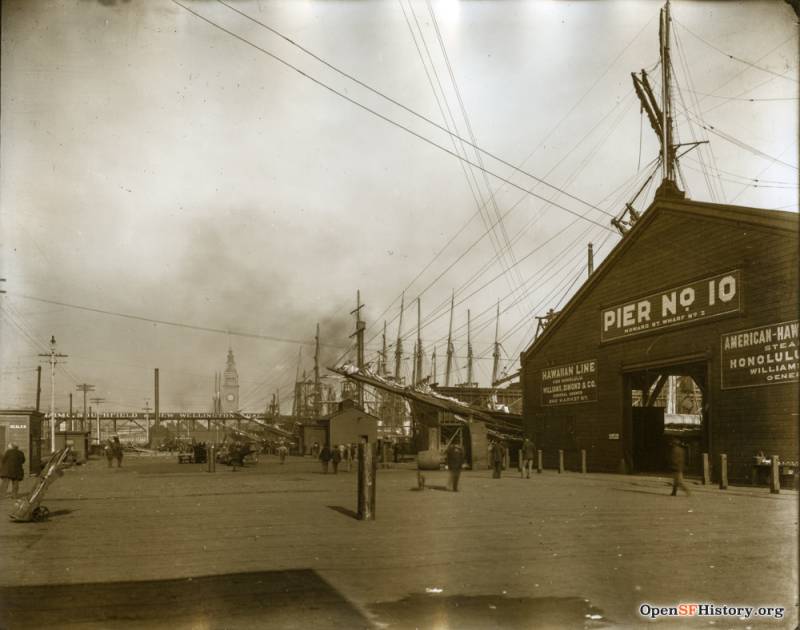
{"x":156,"y":166}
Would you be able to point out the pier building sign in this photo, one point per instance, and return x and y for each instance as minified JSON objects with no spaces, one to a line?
{"x":687,"y":304}
{"x":760,"y":356}
{"x":570,"y":384}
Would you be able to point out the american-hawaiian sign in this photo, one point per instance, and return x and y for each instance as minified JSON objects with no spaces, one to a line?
{"x":767,"y":355}
{"x":687,"y":304}
{"x":570,"y":384}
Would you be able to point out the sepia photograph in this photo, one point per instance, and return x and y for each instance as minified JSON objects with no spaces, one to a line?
{"x":399,"y":314}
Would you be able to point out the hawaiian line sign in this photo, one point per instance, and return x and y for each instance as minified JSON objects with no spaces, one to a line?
{"x":570,"y":384}
{"x":767,"y":355}
{"x":687,"y":304}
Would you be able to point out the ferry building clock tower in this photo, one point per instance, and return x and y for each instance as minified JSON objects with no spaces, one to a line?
{"x":230,"y":386}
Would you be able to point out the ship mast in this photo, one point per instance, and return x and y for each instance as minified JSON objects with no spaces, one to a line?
{"x":398,"y":350}
{"x":449,"y":344}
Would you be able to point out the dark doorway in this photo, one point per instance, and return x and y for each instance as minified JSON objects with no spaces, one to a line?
{"x":663,"y":403}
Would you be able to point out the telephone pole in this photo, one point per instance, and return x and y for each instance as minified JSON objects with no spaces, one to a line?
{"x":38,"y":386}
{"x":84,"y":387}
{"x":97,"y":402}
{"x":53,"y":357}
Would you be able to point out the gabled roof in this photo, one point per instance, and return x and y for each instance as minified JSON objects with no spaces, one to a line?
{"x":787,"y":222}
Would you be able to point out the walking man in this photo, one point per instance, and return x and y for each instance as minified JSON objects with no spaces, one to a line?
{"x":455,"y":460}
{"x":677,"y":459}
{"x":116,"y":449}
{"x":336,"y":457}
{"x":325,"y":457}
{"x":498,"y":455}
{"x":528,"y":453}
{"x":11,"y":470}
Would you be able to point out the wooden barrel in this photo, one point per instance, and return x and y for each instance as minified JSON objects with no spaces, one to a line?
{"x":429,"y":460}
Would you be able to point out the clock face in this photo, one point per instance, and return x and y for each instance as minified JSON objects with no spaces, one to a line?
{"x":229,"y":397}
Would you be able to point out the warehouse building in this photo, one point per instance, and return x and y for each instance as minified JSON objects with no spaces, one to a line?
{"x":704,"y":293}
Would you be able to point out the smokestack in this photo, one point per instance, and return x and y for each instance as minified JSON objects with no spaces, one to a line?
{"x":156,"y":416}
{"x":590,"y":263}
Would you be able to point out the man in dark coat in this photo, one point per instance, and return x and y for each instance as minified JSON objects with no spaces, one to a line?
{"x":455,"y":460}
{"x":528,"y":453}
{"x":336,"y":457}
{"x":677,"y":459}
{"x":12,"y":470}
{"x":497,"y":457}
{"x":325,"y":457}
{"x":116,"y":451}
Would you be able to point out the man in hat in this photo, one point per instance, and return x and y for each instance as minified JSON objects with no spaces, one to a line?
{"x":677,"y":459}
{"x":11,"y":470}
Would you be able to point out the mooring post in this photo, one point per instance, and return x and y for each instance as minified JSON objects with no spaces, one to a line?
{"x":366,"y":481}
{"x":583,"y":461}
{"x":560,"y":461}
{"x":706,"y":470}
{"x":775,"y":475}
{"x":538,"y":461}
{"x":723,"y":471}
{"x":211,"y":457}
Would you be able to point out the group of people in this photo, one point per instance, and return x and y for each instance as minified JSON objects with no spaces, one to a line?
{"x":333,"y":456}
{"x":113,"y":451}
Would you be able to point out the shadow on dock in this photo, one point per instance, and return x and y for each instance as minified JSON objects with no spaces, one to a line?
{"x":275,"y":599}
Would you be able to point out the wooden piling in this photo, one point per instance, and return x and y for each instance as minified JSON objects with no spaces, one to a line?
{"x":775,"y":475}
{"x":366,"y":481}
{"x":538,"y":461}
{"x":706,"y":470}
{"x":723,"y":471}
{"x":560,"y":461}
{"x":583,"y":461}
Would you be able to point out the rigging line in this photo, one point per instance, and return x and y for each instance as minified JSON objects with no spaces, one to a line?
{"x":747,"y":177}
{"x":764,"y":170}
{"x":169,"y":323}
{"x":746,"y":100}
{"x":433,"y":314}
{"x":377,"y":114}
{"x":570,"y":263}
{"x":574,"y":174}
{"x":741,"y":144}
{"x":542,"y":300}
{"x":378,"y":92}
{"x":742,"y":93}
{"x":738,"y":74}
{"x":707,"y":179}
{"x":739,"y":59}
{"x":683,"y":58}
{"x":641,"y":123}
{"x":749,"y":184}
{"x":486,"y":284}
{"x":521,"y":233}
{"x":520,"y":345}
{"x":477,"y":189}
{"x":492,"y":195}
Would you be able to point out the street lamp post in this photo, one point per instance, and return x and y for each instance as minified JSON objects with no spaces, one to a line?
{"x":52,"y":356}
